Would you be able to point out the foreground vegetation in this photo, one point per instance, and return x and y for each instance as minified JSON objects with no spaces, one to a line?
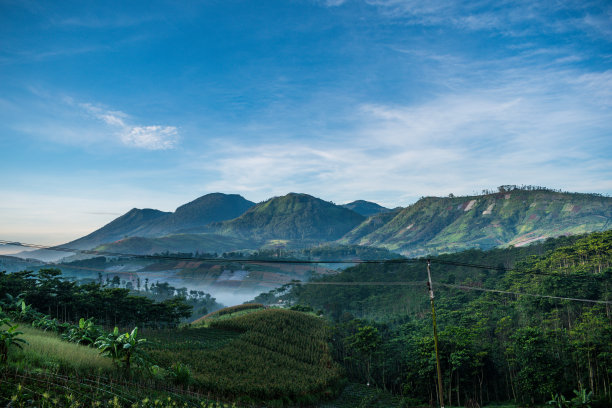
{"x":494,"y":347}
{"x":276,"y":357}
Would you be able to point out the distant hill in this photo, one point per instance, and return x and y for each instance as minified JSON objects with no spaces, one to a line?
{"x":129,"y":224}
{"x":126,"y":225}
{"x":190,"y":217}
{"x":365,"y":208}
{"x":517,"y":217}
{"x":293,"y":217}
{"x":195,"y":215}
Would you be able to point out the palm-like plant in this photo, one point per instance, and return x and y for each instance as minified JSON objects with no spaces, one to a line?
{"x":9,"y":337}
{"x":46,"y":322}
{"x":124,"y":349}
{"x":86,"y":332}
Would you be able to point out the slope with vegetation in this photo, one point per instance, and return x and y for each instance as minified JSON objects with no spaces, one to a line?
{"x":512,"y":216}
{"x":276,"y":357}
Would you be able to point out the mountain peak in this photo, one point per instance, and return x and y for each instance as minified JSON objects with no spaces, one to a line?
{"x":294,"y":216}
{"x":365,"y":208}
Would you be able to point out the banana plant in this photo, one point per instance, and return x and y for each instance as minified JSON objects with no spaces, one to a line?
{"x":124,"y":349}
{"x":46,"y":322}
{"x":9,"y":337}
{"x":86,"y":332}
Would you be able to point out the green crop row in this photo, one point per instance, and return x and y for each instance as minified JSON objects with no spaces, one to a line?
{"x":275,"y":355}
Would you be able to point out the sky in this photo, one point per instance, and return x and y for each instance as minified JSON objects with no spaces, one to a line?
{"x":107,"y":106}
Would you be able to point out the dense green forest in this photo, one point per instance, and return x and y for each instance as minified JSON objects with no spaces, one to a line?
{"x":493,"y":346}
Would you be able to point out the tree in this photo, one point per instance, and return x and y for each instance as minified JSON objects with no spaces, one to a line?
{"x":123,"y":348}
{"x":365,"y":343}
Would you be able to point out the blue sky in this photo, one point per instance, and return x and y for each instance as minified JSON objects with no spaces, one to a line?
{"x":105,"y":106}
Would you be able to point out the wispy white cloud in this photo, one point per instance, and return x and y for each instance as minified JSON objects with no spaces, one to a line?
{"x":333,"y":3}
{"x":515,"y":18}
{"x":151,"y":137}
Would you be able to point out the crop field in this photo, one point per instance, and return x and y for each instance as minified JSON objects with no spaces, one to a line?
{"x":189,"y":339}
{"x":266,"y":355}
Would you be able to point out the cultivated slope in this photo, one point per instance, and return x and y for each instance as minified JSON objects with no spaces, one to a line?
{"x":275,"y":354}
{"x":449,"y":224}
{"x":293,"y":217}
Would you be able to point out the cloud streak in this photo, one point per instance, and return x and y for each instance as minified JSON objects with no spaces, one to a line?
{"x":149,"y":137}
{"x":516,"y":18}
{"x":539,"y":127}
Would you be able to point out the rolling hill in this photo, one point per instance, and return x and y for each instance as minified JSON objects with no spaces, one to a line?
{"x":190,"y":217}
{"x":293,"y":217}
{"x":129,"y":224}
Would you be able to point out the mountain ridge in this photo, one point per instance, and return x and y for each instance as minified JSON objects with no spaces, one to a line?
{"x":516,"y":217}
{"x":291,"y":217}
{"x":432,"y":225}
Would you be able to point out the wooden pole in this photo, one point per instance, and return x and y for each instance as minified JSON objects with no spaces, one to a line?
{"x":435,"y":330}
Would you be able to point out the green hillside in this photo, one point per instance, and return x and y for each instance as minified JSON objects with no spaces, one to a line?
{"x":368,"y":226}
{"x":515,"y":217}
{"x":293,"y":217}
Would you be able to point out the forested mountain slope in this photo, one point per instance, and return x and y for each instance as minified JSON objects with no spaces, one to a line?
{"x":514,"y":217}
{"x":293,"y":217}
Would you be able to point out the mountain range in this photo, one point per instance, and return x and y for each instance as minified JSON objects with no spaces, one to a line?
{"x":221,"y":223}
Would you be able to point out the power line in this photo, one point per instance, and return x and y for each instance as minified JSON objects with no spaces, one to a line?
{"x":449,"y":285}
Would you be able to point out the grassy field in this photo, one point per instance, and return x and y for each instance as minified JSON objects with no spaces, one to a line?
{"x":46,"y":350}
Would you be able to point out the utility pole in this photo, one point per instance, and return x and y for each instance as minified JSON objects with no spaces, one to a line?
{"x":435,"y":330}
